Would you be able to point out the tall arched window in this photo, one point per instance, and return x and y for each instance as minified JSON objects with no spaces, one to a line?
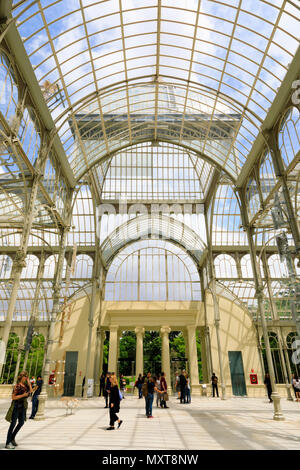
{"x":152,"y":270}
{"x":83,"y":267}
{"x":295,"y":366}
{"x":225,"y":266}
{"x":276,"y":357}
{"x":50,"y":264}
{"x":31,"y":269}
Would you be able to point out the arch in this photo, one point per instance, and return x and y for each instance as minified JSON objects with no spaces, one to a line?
{"x":246,"y":266}
{"x":50,"y":264}
{"x":225,"y":266}
{"x":152,"y":270}
{"x":83,"y":267}
{"x":183,"y":125}
{"x":145,"y":226}
{"x":277,"y":268}
{"x":140,"y":171}
{"x":31,"y":269}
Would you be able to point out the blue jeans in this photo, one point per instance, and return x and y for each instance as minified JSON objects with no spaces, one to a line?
{"x":188,"y":395}
{"x":35,"y":405}
{"x":149,"y":402}
{"x":140,"y":390}
{"x":17,"y":415}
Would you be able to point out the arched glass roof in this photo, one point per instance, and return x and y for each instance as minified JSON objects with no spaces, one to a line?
{"x":157,"y":227}
{"x":201,"y":74}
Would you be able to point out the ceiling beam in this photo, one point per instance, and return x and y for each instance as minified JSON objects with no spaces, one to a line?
{"x":275,"y":112}
{"x":22,"y":62}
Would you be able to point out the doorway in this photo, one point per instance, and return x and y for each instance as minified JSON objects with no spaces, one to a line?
{"x":237,"y":373}
{"x":70,"y":373}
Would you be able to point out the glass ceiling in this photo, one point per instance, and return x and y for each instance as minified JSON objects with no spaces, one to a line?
{"x":201,"y":74}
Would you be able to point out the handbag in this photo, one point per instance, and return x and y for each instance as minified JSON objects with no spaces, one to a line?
{"x":9,"y":413}
{"x":165,"y":396}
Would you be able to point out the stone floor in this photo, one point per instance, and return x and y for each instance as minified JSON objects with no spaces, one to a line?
{"x":206,"y":423}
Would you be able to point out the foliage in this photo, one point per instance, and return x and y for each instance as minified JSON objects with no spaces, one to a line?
{"x":35,"y":357}
{"x":152,"y":351}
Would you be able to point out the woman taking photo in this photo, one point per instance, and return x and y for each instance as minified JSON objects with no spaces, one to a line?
{"x":17,"y":410}
{"x":114,"y":403}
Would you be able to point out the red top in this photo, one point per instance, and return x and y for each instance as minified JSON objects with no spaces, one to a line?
{"x":163,"y":384}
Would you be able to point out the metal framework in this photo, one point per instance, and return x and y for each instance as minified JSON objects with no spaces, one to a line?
{"x":184,"y":112}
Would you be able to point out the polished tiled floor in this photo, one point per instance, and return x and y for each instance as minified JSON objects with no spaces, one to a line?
{"x":207,"y":423}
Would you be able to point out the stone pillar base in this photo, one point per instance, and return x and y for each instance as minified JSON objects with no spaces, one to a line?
{"x":41,"y":409}
{"x":278,"y":415}
{"x":196,"y":390}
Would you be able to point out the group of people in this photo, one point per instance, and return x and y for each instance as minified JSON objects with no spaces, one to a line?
{"x":295,"y":382}
{"x":147,"y":385}
{"x":183,"y":387}
{"x":113,"y":393}
{"x":16,"y":414}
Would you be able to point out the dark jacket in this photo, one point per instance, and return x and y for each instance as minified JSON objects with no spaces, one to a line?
{"x":114,"y":398}
{"x":182,"y":381}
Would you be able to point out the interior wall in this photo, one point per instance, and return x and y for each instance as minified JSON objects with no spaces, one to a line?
{"x":237,"y":333}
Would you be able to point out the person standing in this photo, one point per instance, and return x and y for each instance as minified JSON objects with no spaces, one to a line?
{"x":32,"y":381}
{"x":182,"y":382}
{"x":177,"y":385}
{"x":158,"y":395}
{"x":107,"y":389}
{"x":102,"y":385}
{"x":149,"y":387}
{"x":268,"y":385}
{"x":296,"y":386}
{"x":188,"y":389}
{"x":122,"y":385}
{"x":139,"y":384}
{"x":214,"y":383}
{"x":35,"y":397}
{"x":114,"y":403}
{"x":164,"y":390}
{"x":82,"y":387}
{"x":18,"y":407}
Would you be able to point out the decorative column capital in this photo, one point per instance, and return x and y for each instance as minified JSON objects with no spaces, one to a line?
{"x":19,"y":260}
{"x":165,"y":330}
{"x":139,"y":330}
{"x":100,"y":331}
{"x":191,"y":327}
{"x":113,"y":328}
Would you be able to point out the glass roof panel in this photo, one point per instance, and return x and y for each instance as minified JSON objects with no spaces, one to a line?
{"x":236,"y":53}
{"x":160,"y":172}
{"x":153,"y":227}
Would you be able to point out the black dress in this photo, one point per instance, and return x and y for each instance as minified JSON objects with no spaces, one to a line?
{"x":114,"y":399}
